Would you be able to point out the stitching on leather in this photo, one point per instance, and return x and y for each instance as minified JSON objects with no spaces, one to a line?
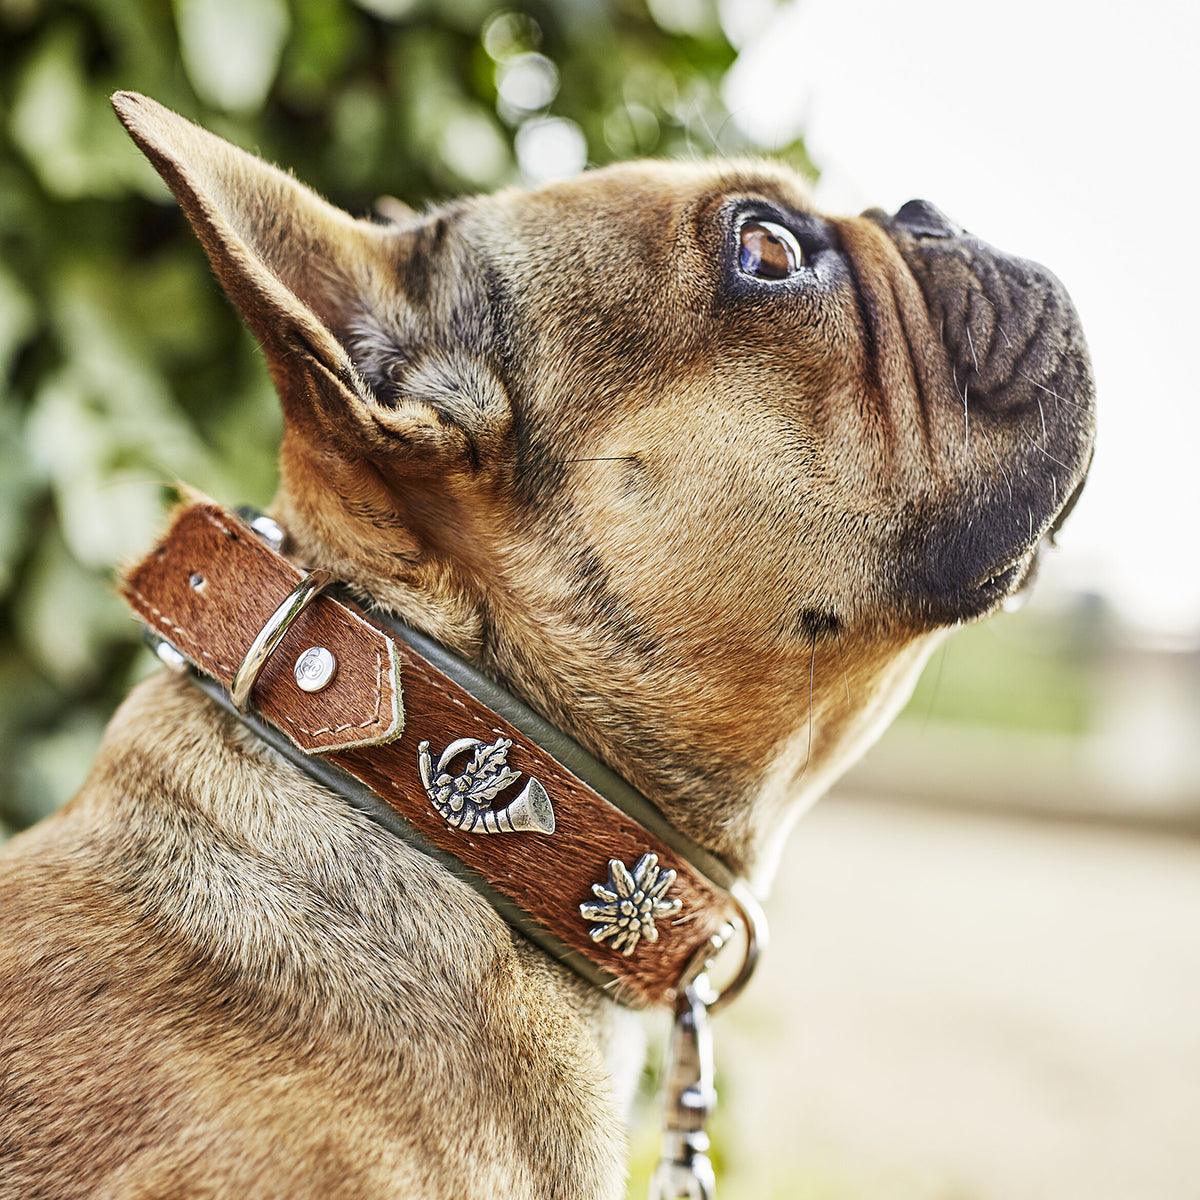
{"x":213,"y":520}
{"x":181,"y":634}
{"x":189,"y":639}
{"x":438,"y":685}
{"x":419,"y":666}
{"x":376,"y":717}
{"x":375,"y":720}
{"x":191,"y":644}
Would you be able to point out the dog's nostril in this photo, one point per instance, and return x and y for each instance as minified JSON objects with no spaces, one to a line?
{"x":923,"y":219}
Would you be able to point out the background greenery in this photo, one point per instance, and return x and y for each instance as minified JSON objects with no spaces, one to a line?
{"x":121,"y":365}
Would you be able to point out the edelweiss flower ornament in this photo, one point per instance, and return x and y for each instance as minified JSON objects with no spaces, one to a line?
{"x":631,"y":904}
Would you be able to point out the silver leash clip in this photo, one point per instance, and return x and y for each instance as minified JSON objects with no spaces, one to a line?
{"x":684,"y":1170}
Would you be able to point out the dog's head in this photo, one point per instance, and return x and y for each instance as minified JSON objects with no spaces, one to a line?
{"x":697,"y":469}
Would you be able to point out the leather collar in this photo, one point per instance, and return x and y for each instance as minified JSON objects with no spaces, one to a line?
{"x":441,"y":756}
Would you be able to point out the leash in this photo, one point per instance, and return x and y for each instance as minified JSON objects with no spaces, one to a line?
{"x":429,"y":748}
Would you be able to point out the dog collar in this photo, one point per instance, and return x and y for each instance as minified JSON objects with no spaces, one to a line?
{"x":441,"y":756}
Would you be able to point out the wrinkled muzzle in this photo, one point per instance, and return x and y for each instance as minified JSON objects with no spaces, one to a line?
{"x":1022,"y":390}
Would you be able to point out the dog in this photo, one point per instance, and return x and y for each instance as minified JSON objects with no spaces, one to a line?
{"x":698,"y":471}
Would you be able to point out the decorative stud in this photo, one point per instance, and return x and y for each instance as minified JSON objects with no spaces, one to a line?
{"x":315,"y":669}
{"x":268,"y":529}
{"x":465,"y":800}
{"x":631,"y":904}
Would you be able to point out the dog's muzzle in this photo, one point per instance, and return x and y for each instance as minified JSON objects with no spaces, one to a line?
{"x":1018,"y":407}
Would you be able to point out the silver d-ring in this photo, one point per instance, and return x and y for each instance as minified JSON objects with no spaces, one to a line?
{"x":272,"y":633}
{"x":754,"y":922}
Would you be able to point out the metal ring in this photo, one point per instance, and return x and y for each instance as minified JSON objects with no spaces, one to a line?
{"x":754,"y":922}
{"x":272,"y":633}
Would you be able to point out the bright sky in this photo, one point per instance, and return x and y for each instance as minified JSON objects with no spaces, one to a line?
{"x":1066,"y":132}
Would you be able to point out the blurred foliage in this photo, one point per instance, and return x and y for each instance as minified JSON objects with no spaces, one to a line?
{"x":122,"y":367}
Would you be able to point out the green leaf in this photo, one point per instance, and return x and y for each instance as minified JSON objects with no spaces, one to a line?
{"x":389,"y":10}
{"x":18,"y":488}
{"x":65,"y":616}
{"x":231,"y":48}
{"x":18,"y":319}
{"x":64,"y":126}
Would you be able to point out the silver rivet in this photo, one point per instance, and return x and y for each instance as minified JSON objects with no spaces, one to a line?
{"x":315,"y":669}
{"x":269,"y":530}
{"x":168,"y":655}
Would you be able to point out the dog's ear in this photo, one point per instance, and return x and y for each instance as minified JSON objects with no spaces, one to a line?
{"x":356,"y":369}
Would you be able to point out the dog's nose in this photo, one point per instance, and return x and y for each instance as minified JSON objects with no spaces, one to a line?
{"x":923,"y":219}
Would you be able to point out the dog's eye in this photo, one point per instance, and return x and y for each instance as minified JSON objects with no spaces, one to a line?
{"x":769,"y":251}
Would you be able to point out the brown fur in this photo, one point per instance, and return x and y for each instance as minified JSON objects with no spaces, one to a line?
{"x":709,"y":527}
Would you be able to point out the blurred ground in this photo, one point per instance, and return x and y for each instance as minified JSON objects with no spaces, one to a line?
{"x":960,"y":1005}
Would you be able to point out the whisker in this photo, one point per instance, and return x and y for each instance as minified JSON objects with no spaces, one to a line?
{"x":966,"y":409}
{"x":812,"y":671}
{"x":720,"y":132}
{"x":1047,"y":453}
{"x":812,"y":667}
{"x":603,"y":458}
{"x":937,"y":683}
{"x":971,"y":344}
{"x":1042,"y":415}
{"x":687,"y":130}
{"x":1003,"y":471}
{"x":1051,"y":392}
{"x":707,"y":128}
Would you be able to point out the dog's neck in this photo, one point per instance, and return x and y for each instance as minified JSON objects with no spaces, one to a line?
{"x":550,"y":668}
{"x":727,"y":783}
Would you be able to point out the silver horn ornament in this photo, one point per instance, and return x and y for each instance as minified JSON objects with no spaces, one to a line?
{"x":465,"y":800}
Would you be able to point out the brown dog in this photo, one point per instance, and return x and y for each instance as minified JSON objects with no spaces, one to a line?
{"x":695,"y":469}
